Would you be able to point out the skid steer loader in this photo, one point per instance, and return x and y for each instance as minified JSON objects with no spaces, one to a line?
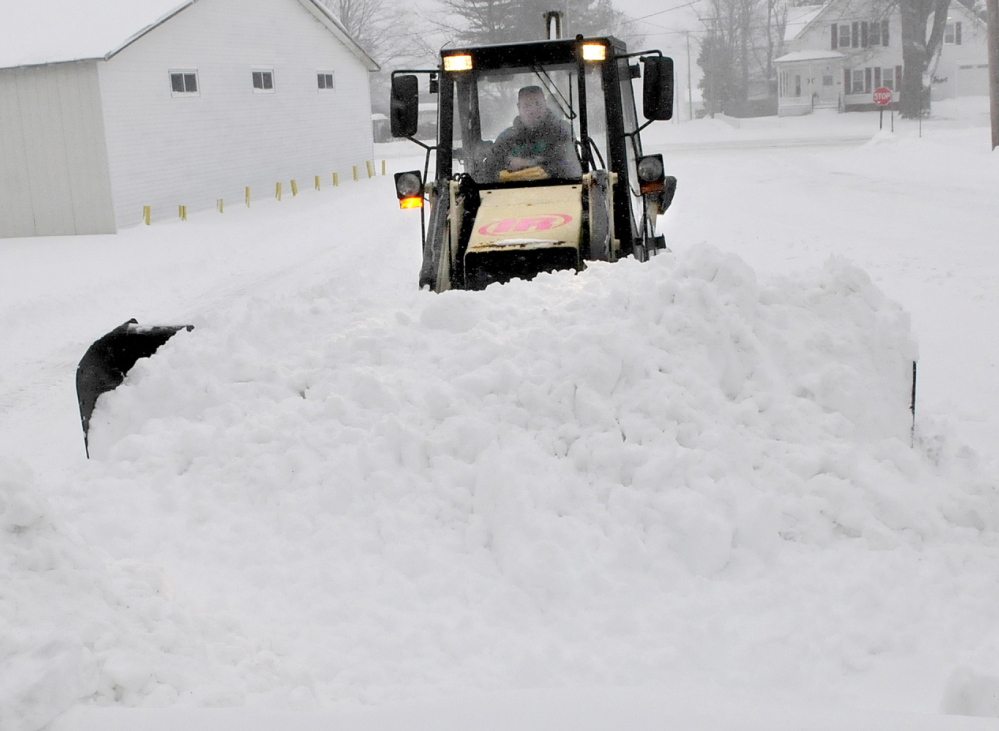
{"x":480,"y":226}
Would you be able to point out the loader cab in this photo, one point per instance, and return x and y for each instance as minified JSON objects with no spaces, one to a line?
{"x":588,"y":88}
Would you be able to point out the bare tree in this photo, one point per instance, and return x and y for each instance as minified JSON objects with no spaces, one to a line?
{"x":743,"y":38}
{"x":375,"y":27}
{"x":774,"y":29}
{"x":923,"y":25}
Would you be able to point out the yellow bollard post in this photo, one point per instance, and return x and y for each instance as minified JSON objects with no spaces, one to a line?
{"x":277,"y":191}
{"x":294,"y":188}
{"x":383,"y":167}
{"x":248,"y":196}
{"x":356,"y":177}
{"x":317,"y":183}
{"x":336,"y":179}
{"x":147,"y":214}
{"x":221,"y":205}
{"x":371,"y":168}
{"x":182,"y":212}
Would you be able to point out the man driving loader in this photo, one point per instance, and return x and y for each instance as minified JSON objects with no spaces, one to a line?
{"x":536,"y":147}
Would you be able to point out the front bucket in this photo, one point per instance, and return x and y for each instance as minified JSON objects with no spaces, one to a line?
{"x":104,"y":365}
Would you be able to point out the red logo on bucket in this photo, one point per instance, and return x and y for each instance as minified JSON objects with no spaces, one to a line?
{"x":544,"y":222}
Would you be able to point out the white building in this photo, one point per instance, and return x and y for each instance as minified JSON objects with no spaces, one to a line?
{"x":107,"y":106}
{"x":840,"y":52}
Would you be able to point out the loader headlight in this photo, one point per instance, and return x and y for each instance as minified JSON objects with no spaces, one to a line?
{"x":409,"y":189}
{"x":458,"y":62}
{"x":650,"y":168}
{"x":594,"y":52}
{"x":651,"y":173}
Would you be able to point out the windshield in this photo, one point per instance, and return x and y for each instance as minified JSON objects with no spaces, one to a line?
{"x":518,"y":124}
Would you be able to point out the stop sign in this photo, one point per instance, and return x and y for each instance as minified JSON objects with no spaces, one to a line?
{"x":882,"y":95}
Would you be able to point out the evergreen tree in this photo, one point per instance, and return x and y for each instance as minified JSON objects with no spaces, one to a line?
{"x":718,"y":84}
{"x":482,"y":22}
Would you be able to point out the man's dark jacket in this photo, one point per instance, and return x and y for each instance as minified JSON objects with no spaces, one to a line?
{"x":548,"y":145}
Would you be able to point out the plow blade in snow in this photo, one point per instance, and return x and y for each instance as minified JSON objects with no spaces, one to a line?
{"x":108,"y":360}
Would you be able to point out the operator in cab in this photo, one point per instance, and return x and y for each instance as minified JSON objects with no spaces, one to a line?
{"x":538,"y":146}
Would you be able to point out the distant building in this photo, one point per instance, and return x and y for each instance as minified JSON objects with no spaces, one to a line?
{"x":839,"y":53}
{"x":107,"y":106}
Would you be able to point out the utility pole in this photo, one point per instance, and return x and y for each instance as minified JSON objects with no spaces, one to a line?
{"x":690,"y":93}
{"x":993,"y":11}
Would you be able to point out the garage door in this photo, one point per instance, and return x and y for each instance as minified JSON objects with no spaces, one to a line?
{"x":973,"y":80}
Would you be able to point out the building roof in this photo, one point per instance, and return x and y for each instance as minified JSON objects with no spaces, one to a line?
{"x":808,"y":56}
{"x":798,"y":17}
{"x":35,"y":32}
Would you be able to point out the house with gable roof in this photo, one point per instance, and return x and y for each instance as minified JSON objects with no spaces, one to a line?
{"x":107,"y":106}
{"x":840,"y":52}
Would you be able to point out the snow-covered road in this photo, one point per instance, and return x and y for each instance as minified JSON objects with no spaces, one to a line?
{"x":678,"y":494}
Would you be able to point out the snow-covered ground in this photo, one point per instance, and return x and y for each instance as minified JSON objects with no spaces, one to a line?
{"x":682,"y":494}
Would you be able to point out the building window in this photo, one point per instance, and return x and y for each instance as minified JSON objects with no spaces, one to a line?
{"x":183,"y":83}
{"x":858,"y":82}
{"x":263,"y":81}
{"x":827,"y":80}
{"x":326,"y":80}
{"x":888,"y":78}
{"x":952,"y":34}
{"x":844,"y":36}
{"x":884,"y":32}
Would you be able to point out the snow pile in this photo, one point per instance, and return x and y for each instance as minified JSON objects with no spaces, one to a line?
{"x":971,"y":693}
{"x":641,"y":473}
{"x":75,"y":624}
{"x":43,"y":662}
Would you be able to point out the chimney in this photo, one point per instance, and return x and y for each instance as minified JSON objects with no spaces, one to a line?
{"x":553,"y":24}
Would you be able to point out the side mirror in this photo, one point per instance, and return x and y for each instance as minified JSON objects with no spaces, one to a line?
{"x":404,"y":112}
{"x":657,"y":87}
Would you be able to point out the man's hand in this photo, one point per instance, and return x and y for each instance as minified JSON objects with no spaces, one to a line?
{"x":519,"y":163}
{"x":535,"y":172}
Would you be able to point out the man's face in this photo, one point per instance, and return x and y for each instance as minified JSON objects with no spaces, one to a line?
{"x":532,"y":109}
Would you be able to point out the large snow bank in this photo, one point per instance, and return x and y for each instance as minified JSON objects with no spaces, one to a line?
{"x":633,"y":474}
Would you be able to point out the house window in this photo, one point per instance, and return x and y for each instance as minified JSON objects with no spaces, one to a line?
{"x":326,"y":80}
{"x":183,"y":83}
{"x":888,"y":78}
{"x":884,"y":32}
{"x":844,"y":36}
{"x":827,"y":80}
{"x":952,"y":34}
{"x":858,"y":82}
{"x":797,"y":85}
{"x":263,"y":82}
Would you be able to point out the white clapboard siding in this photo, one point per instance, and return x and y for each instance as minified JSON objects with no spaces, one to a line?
{"x":53,"y":165}
{"x":166,"y":151}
